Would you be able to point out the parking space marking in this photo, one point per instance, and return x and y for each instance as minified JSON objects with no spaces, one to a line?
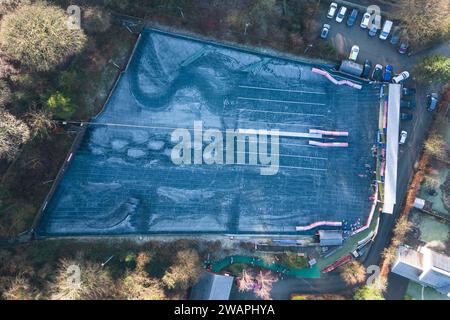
{"x":282,"y":101}
{"x":282,"y":90}
{"x":288,"y":113}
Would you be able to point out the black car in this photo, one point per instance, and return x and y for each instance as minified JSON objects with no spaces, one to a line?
{"x":377,"y":73}
{"x":367,"y":68}
{"x":408,"y":104}
{"x":408,"y":91}
{"x":405,"y":116}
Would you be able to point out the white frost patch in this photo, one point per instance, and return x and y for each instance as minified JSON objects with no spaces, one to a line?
{"x":136,"y":153}
{"x":139,"y":136}
{"x":118,"y":144}
{"x":179,"y":195}
{"x":156,"y":145}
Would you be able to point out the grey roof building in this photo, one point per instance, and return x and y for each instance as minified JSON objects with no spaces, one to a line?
{"x":330,"y":238}
{"x":211,"y":286}
{"x":425,"y":267}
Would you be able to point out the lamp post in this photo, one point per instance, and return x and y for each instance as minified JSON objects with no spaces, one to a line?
{"x":308,"y":47}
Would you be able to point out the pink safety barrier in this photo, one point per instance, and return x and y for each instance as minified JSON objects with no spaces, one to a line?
{"x":372,"y":212}
{"x":385,"y":114}
{"x":328,"y":144}
{"x":330,"y":133}
{"x":319,"y":224}
{"x":336,"y":82}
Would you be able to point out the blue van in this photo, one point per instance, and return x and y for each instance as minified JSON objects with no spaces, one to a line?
{"x":352,"y":18}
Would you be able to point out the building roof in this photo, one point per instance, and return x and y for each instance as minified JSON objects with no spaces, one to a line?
{"x":330,"y":237}
{"x":211,"y":286}
{"x":393,"y":125}
{"x":351,"y":67}
{"x":425,"y":267}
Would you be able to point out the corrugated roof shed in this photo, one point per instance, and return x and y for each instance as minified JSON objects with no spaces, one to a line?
{"x":330,"y":237}
{"x":211,"y":286}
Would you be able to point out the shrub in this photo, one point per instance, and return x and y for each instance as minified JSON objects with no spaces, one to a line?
{"x":13,"y":133}
{"x":368,"y":293}
{"x":96,"y":19}
{"x":60,"y":106}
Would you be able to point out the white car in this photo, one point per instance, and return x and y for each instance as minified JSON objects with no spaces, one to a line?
{"x":365,"y":20}
{"x":341,"y":14}
{"x":403,"y":136}
{"x":354,"y":53}
{"x":332,"y":10}
{"x":401,"y":77}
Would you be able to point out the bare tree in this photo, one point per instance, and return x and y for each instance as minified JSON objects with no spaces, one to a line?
{"x":424,"y":20}
{"x":184,"y":272}
{"x":139,"y":286}
{"x":265,"y":282}
{"x":93,"y":283}
{"x":436,"y":147}
{"x":37,"y":35}
{"x":353,"y":273}
{"x":13,"y":133}
{"x":19,"y":288}
{"x":40,"y":122}
{"x":246,"y":281}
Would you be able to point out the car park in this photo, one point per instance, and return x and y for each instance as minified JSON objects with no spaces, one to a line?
{"x":365,"y":20}
{"x":407,"y":104}
{"x":341,"y":14}
{"x":387,"y":75}
{"x":403,"y":47}
{"x":386,"y":29}
{"x":367,"y":68}
{"x":406,"y":116}
{"x":352,"y":18}
{"x":401,"y":77}
{"x":377,"y":74}
{"x":403,"y":136}
{"x":396,"y":32}
{"x":432,"y":101}
{"x":325,"y":31}
{"x":354,"y":53}
{"x":408,"y":91}
{"x":332,"y":10}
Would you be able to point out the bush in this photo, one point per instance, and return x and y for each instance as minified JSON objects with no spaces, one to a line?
{"x":96,"y":19}
{"x":434,"y":69}
{"x":60,"y":106}
{"x":38,"y":36}
{"x":13,"y":133}
{"x":368,"y":293}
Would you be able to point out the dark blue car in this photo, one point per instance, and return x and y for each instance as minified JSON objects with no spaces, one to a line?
{"x":387,"y":75}
{"x":352,"y":18}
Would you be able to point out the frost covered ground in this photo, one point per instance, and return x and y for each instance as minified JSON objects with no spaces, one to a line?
{"x":122,"y":180}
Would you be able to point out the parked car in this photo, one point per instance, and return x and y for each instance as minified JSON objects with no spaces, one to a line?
{"x":365,"y":20}
{"x":354,"y":53}
{"x":406,"y":116}
{"x":403,"y":47}
{"x":408,"y":91}
{"x":396,"y":32}
{"x":341,"y":14}
{"x":367,"y":68}
{"x":386,"y":29}
{"x":377,"y":74}
{"x":325,"y":31}
{"x":432,"y":101}
{"x":403,"y":136}
{"x":401,"y":77}
{"x":373,"y":30}
{"x":332,"y":10}
{"x":352,"y":17}
{"x":407,"y":104}
{"x":387,"y":75}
